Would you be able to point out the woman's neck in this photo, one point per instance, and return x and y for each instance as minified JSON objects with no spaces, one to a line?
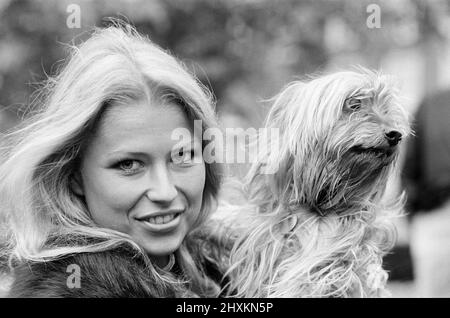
{"x":161,"y":261}
{"x":164,"y":262}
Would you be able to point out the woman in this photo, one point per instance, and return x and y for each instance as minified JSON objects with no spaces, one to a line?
{"x":101,"y":200}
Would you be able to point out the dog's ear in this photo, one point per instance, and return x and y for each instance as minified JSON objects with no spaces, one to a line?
{"x":271,"y":174}
{"x":282,"y":179}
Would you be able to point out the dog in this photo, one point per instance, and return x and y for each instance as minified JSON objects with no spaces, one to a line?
{"x":316,"y":227}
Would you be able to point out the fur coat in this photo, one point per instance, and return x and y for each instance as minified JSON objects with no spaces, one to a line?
{"x":108,"y":274}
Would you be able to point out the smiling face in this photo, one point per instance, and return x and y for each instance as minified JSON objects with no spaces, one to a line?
{"x":131,"y":182}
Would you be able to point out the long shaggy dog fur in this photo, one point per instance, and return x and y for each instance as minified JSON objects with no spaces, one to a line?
{"x":316,"y":227}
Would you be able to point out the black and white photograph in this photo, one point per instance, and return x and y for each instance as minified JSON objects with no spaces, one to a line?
{"x":225,"y":149}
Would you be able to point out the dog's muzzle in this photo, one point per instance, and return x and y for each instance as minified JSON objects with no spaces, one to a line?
{"x":378,"y":152}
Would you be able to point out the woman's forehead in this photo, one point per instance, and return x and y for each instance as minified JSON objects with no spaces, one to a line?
{"x":142,"y":114}
{"x":141,"y":123}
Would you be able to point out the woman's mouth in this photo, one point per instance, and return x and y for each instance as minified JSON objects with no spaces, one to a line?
{"x":163,"y":219}
{"x":164,"y":222}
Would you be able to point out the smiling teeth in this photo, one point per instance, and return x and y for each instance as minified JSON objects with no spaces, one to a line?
{"x":161,"y":219}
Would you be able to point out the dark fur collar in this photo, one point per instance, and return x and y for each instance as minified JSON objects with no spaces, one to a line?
{"x":114,"y":273}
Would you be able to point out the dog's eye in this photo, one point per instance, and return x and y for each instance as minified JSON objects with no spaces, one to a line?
{"x":352,"y":104}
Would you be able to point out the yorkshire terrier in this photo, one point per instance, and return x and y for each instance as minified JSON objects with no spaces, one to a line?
{"x":316,"y":227}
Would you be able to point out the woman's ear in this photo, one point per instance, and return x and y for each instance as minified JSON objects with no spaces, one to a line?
{"x":76,"y":183}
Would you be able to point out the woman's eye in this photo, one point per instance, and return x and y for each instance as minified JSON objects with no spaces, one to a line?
{"x":352,"y":104}
{"x":129,"y":165}
{"x":183,"y":156}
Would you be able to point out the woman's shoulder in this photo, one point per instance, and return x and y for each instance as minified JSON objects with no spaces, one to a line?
{"x":114,"y":273}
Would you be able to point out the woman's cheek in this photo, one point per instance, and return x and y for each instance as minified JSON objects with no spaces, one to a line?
{"x":123,"y":194}
{"x":192,"y":184}
{"x":114,"y":197}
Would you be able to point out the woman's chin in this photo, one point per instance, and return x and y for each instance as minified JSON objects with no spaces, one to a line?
{"x":156,"y":250}
{"x":161,"y":245}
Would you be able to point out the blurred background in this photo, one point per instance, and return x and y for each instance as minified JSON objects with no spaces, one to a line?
{"x":245,"y":51}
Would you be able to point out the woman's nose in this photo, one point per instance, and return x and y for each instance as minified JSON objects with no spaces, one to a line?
{"x":161,"y":189}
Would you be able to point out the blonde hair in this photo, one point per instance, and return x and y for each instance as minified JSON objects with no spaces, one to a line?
{"x":46,"y":219}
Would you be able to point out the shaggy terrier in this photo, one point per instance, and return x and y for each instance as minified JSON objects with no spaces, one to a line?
{"x":317,"y":227}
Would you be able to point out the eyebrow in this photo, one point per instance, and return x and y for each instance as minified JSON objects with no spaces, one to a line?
{"x":144,"y":154}
{"x":129,"y":153}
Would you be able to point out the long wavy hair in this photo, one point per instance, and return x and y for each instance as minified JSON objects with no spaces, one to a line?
{"x":314,"y":224}
{"x":46,"y":220}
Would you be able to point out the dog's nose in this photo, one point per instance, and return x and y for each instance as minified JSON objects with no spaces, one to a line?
{"x":393,"y":137}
